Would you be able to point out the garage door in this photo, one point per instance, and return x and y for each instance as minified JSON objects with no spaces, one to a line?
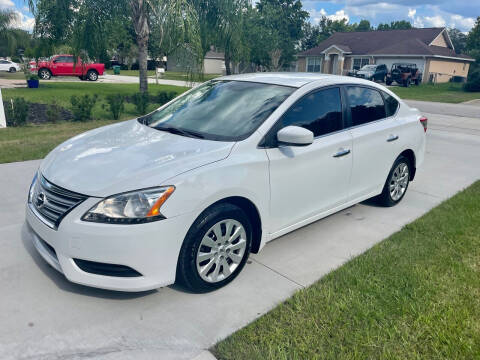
{"x":389,"y":61}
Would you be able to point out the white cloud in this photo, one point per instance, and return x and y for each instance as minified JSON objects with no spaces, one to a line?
{"x":23,"y":22}
{"x":316,"y":15}
{"x":6,"y":4}
{"x":411,"y":13}
{"x":434,"y":21}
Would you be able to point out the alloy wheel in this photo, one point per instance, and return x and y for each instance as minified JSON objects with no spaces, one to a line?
{"x":44,"y":74}
{"x":92,"y":76}
{"x":221,"y":250}
{"x":399,"y":181}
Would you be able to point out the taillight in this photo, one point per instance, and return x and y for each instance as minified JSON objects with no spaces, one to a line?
{"x":424,"y":122}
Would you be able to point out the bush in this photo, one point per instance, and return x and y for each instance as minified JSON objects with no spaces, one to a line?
{"x":16,"y":111}
{"x":473,"y":82}
{"x":82,"y":107}
{"x":53,"y":112}
{"x":163,"y":97}
{"x":116,"y":105}
{"x":141,"y":101}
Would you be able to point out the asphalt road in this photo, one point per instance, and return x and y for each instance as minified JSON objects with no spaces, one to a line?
{"x":43,"y":316}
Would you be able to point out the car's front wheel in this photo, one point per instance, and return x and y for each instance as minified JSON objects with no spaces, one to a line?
{"x":215,"y":249}
{"x":397,"y":182}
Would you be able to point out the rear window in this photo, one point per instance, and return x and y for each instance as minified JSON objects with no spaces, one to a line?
{"x":366,"y":105}
{"x":391,"y":104}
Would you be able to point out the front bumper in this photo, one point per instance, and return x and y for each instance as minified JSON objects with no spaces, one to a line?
{"x":151,"y":249}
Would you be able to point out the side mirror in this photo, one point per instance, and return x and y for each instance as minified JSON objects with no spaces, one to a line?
{"x":295,"y":136}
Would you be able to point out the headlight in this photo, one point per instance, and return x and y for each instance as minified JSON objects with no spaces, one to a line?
{"x":134,"y":207}
{"x":32,"y":189}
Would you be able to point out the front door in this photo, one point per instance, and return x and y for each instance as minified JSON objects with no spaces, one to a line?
{"x":308,"y":180}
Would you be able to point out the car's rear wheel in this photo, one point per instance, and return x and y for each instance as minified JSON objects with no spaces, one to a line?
{"x":44,"y":74}
{"x":12,"y":70}
{"x":215,"y":249}
{"x":92,"y":75}
{"x":407,"y":82}
{"x":397,"y":182}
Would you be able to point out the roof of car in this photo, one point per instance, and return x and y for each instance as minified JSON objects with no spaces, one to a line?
{"x":292,"y":79}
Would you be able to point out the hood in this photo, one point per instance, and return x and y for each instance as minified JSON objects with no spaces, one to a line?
{"x":126,"y":156}
{"x":365,"y":72}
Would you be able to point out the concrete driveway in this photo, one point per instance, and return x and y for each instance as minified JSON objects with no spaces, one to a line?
{"x":45,"y":317}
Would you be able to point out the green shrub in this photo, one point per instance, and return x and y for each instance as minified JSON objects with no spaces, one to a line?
{"x":163,"y":97}
{"x":116,"y":105}
{"x":53,"y":112}
{"x":82,"y":107}
{"x":141,"y":101}
{"x":473,"y":82}
{"x":16,"y":111}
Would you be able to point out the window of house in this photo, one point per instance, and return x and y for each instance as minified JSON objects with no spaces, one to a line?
{"x":358,"y":63}
{"x":314,"y":64}
{"x":320,"y":112}
{"x":366,"y":105}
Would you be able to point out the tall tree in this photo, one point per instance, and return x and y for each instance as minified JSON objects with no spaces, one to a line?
{"x":459,"y":40}
{"x":395,"y":25}
{"x":282,"y":23}
{"x":363,"y":25}
{"x":473,"y":41}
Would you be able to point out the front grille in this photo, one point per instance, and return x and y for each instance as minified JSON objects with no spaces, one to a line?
{"x":52,"y":203}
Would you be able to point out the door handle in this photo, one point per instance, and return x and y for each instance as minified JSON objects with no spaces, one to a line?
{"x":392,"y":138}
{"x":342,"y":152}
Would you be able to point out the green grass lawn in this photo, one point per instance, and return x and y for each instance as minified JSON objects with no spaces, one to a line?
{"x":445,"y":92}
{"x":12,"y":76}
{"x":416,"y":295}
{"x":35,"y":141}
{"x":169,"y":75}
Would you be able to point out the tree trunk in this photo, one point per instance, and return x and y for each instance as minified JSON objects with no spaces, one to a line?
{"x":228,"y":69}
{"x":142,"y":32}
{"x":142,"y":63}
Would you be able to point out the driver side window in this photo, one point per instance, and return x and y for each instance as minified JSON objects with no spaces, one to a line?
{"x":320,"y":112}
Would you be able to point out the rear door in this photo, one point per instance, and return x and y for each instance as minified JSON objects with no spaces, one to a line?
{"x":308,"y":180}
{"x":4,"y":65}
{"x":376,"y":136}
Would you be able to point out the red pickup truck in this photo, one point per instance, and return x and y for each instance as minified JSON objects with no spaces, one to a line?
{"x":63,"y":65}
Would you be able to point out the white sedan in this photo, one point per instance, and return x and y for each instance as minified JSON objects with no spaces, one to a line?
{"x":10,"y":66}
{"x":188,"y":191}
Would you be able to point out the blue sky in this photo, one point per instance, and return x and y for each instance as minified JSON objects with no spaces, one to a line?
{"x":421,"y":13}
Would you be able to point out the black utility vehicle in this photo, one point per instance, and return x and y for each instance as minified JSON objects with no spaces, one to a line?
{"x":404,"y":74}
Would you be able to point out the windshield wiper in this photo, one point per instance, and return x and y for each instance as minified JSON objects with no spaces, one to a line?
{"x":177,"y":131}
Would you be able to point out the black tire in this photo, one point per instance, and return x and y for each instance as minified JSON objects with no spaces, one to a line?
{"x":92,"y":75}
{"x":12,"y":70}
{"x":385,"y":198}
{"x":187,"y":273}
{"x":417,"y":81}
{"x":44,"y":74}
{"x":388,"y":82}
{"x":407,"y":82}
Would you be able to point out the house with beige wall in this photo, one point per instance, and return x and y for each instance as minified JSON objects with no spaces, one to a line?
{"x":429,"y":48}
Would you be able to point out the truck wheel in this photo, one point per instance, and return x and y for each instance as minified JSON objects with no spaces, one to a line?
{"x":92,"y":75}
{"x":417,"y":81}
{"x":407,"y":82}
{"x":44,"y":74}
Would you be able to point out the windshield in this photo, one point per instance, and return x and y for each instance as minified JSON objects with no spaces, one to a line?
{"x":369,"y":67}
{"x":220,"y":110}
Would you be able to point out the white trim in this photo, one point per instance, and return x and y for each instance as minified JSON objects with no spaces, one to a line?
{"x":360,"y":57}
{"x":423,"y":56}
{"x":336,"y":47}
{"x":314,"y":57}
{"x":3,"y":120}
